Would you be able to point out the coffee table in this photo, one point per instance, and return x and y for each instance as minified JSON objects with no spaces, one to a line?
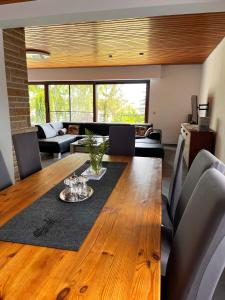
{"x":79,"y":146}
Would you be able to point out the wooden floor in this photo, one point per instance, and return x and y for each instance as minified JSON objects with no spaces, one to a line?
{"x":120,"y":258}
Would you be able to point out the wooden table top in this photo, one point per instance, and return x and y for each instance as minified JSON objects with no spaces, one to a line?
{"x":119,"y":259}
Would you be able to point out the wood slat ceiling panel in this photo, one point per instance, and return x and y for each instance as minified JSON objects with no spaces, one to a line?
{"x":181,"y":39}
{"x":13,"y":1}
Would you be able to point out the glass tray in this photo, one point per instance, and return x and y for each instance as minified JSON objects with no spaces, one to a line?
{"x":63,"y":196}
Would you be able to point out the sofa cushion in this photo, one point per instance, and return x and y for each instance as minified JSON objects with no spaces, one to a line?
{"x":97,"y":128}
{"x":58,"y":144}
{"x":48,"y":130}
{"x":146,"y":141}
{"x":60,"y":139}
{"x":100,"y":128}
{"x":57,"y":126}
{"x":149,"y":150}
{"x":156,"y":135}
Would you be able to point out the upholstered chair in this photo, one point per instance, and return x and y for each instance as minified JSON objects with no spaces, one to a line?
{"x":27,"y":153}
{"x":169,"y":204}
{"x":202,"y":162}
{"x":5,"y":180}
{"x":197,"y":257}
{"x":122,"y":140}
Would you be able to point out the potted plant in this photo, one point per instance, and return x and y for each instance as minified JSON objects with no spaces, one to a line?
{"x":96,"y":152}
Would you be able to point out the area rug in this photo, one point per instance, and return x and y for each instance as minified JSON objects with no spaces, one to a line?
{"x":50,"y":222}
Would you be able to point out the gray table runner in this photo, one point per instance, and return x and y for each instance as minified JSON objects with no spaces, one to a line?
{"x":50,"y":222}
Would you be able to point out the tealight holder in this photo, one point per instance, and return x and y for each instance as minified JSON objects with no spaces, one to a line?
{"x":76,"y":189}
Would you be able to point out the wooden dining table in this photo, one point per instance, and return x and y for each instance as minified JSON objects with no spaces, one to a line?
{"x":120,"y":257}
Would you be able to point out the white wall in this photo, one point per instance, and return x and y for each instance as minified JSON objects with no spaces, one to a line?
{"x":42,"y":12}
{"x":98,"y":73}
{"x":170,"y":98}
{"x":213,"y":92}
{"x":170,"y":89}
{"x":5,"y":133}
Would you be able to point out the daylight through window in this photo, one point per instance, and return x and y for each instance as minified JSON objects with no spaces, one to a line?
{"x":125,"y":102}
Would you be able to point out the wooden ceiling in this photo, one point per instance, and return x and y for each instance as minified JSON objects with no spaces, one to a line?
{"x":12,"y":1}
{"x":180,"y":39}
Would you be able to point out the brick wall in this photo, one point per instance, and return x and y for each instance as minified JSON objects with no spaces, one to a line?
{"x":17,"y":82}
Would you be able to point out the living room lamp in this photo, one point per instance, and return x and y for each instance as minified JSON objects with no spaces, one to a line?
{"x":36,"y":54}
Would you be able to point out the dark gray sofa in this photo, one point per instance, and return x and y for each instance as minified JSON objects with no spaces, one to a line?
{"x":144,"y":146}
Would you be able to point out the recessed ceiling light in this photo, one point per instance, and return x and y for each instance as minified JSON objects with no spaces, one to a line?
{"x":110,"y":56}
{"x":36,"y":54}
{"x":141,"y":53}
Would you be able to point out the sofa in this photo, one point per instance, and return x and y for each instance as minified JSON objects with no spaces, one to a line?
{"x":50,"y":141}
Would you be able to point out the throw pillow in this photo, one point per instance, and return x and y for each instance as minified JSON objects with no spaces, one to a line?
{"x":148,"y":131}
{"x":62,"y":131}
{"x":73,"y":129}
{"x":140,"y":130}
{"x":49,"y":131}
{"x":57,"y":126}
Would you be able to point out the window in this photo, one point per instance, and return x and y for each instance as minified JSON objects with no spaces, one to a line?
{"x":81,"y":103}
{"x":121,"y":102}
{"x":59,"y":102}
{"x":37,"y":104}
{"x":116,"y":101}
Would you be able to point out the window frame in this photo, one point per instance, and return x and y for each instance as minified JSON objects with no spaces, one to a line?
{"x":46,"y":85}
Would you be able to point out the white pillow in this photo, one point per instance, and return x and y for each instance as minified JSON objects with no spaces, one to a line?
{"x":57,"y":126}
{"x":62,"y":131}
{"x":48,"y":130}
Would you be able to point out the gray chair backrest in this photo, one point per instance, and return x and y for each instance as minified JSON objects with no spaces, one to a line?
{"x":197,"y":257}
{"x":5,"y":180}
{"x":203,"y":161}
{"x":27,"y":153}
{"x":122,"y":140}
{"x":176,"y":178}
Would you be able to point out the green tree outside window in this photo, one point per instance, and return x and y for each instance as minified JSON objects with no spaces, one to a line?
{"x":115,"y":102}
{"x":37,"y":104}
